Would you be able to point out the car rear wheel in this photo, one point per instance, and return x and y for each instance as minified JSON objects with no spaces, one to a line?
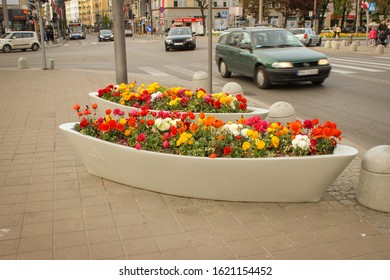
{"x":308,"y":43}
{"x":261,"y":78}
{"x":35,"y":47}
{"x":166,"y":48}
{"x":223,"y":69}
{"x":7,"y":48}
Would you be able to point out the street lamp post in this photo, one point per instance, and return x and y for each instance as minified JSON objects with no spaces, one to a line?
{"x":260,"y":12}
{"x":44,"y":66}
{"x":5,"y":15}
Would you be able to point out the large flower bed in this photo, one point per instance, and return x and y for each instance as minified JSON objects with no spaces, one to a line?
{"x":179,"y":133}
{"x":156,"y":97}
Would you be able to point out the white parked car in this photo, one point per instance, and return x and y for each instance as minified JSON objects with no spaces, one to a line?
{"x":307,"y":36}
{"x":19,"y":40}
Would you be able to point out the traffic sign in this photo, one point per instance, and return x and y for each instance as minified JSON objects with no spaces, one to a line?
{"x":372,"y":7}
{"x":161,"y":9}
{"x":162,"y":22}
{"x":162,"y":15}
{"x":149,"y":28}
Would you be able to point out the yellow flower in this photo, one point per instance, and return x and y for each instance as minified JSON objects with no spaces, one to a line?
{"x":246,"y":146}
{"x":260,"y":144}
{"x":132,"y":85}
{"x":249,"y":132}
{"x":122,"y":121}
{"x":127,"y":132}
{"x":201,"y":94}
{"x":184,"y":138}
{"x":275,"y":141}
{"x":255,"y":135}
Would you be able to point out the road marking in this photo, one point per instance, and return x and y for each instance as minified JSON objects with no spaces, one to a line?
{"x":378,"y":65}
{"x":339,"y":71}
{"x":356,"y":68}
{"x":153,"y":71}
{"x":181,"y":70}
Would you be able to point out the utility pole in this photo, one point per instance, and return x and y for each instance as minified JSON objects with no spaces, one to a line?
{"x":5,"y":15}
{"x":210,"y":47}
{"x":119,"y":42}
{"x":44,"y":66}
{"x":315,"y":17}
{"x":260,"y":12}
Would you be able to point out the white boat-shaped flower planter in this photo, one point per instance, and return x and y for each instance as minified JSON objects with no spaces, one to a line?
{"x":104,"y":104}
{"x":282,"y":179}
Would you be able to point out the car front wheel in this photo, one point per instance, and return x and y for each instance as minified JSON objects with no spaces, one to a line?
{"x":261,"y":78}
{"x":319,"y":42}
{"x":35,"y":47}
{"x":223,"y":69}
{"x":7,"y":48}
{"x":309,"y":43}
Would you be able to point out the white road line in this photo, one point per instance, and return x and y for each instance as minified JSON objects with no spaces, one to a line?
{"x":153,"y":71}
{"x":379,"y":65}
{"x":179,"y":69}
{"x":356,"y":68}
{"x":339,"y":71}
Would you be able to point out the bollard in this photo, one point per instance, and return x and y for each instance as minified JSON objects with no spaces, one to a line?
{"x":374,"y":180}
{"x":22,"y":63}
{"x":51,"y":63}
{"x":335,"y":45}
{"x":353,"y":48}
{"x":200,"y":80}
{"x":380,"y":49}
{"x":232,"y":88}
{"x":328,"y":44}
{"x":281,"y":112}
{"x":343,"y":43}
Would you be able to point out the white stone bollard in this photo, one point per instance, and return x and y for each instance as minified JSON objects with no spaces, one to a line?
{"x":380,"y":49}
{"x":328,"y":44}
{"x":374,"y":180}
{"x":281,"y":112}
{"x":200,"y":80}
{"x":51,"y":63}
{"x":22,"y":63}
{"x":343,"y":43}
{"x":232,"y":88}
{"x":353,"y":47}
{"x":335,"y":45}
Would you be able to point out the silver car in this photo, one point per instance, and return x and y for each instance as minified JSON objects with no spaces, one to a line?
{"x":307,"y":36}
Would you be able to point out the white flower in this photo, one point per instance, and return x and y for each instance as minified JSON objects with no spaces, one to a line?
{"x":244,"y":132}
{"x":162,"y":124}
{"x":233,"y":128}
{"x":301,"y":141}
{"x":156,"y":95}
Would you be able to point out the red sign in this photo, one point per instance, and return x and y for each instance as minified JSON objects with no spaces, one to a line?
{"x":188,"y":19}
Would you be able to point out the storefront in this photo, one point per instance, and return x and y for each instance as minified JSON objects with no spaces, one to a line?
{"x":195,"y":23}
{"x":18,"y":19}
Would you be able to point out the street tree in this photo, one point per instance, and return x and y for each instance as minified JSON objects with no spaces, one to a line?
{"x":202,"y":4}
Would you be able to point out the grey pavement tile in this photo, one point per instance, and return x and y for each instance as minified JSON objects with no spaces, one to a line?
{"x":69,"y":225}
{"x":103,"y":235}
{"x":140,"y":246}
{"x":37,"y":229}
{"x":108,"y":250}
{"x":276,"y":243}
{"x":9,"y":247}
{"x":136,"y":231}
{"x":194,"y":224}
{"x":36,"y":255}
{"x":203,"y":237}
{"x":72,"y":253}
{"x":172,"y":241}
{"x":132,"y":218}
{"x":246,"y":247}
{"x":97,"y":222}
{"x":68,"y":213}
{"x":11,"y":220}
{"x":218,"y":251}
{"x":293,"y":254}
{"x":146,"y":256}
{"x":180,"y":254}
{"x":10,"y":232}
{"x":164,"y":227}
{"x":38,"y":217}
{"x":234,"y":233}
{"x":70,"y":239}
{"x":36,"y":243}
{"x":15,"y":208}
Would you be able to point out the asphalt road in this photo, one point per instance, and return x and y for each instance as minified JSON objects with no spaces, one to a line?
{"x":356,"y":95}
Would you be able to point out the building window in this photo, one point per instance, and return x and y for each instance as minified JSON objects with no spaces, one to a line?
{"x":180,"y":3}
{"x":225,"y":4}
{"x":175,"y":4}
{"x":215,"y":4}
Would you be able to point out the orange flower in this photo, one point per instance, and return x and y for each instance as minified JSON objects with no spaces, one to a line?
{"x":201,"y":115}
{"x":194,"y":127}
{"x":241,"y":121}
{"x":76,"y":107}
{"x":94,"y":106}
{"x":295,"y":127}
{"x":213,"y":156}
{"x":220,"y":137}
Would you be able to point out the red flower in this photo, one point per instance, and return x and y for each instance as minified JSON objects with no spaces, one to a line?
{"x":227,"y":150}
{"x":108,"y":111}
{"x":141,"y":138}
{"x":84,"y":122}
{"x":120,"y":127}
{"x":94,"y":106}
{"x":213,"y":156}
{"x":76,"y":107}
{"x":104,"y":127}
{"x":113,"y":124}
{"x":173,"y":130}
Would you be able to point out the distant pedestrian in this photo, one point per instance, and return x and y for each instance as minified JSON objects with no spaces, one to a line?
{"x":372,"y":36}
{"x":338,"y":31}
{"x":382,"y":33}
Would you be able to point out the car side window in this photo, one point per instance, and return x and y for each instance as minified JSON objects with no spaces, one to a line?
{"x":27,"y":35}
{"x":234,"y":39}
{"x":245,"y":39}
{"x":17,"y":36}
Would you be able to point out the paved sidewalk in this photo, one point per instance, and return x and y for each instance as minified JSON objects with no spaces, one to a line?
{"x":51,"y":208}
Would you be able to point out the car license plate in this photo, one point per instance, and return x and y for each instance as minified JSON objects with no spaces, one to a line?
{"x":178,"y":44}
{"x":307,"y":72}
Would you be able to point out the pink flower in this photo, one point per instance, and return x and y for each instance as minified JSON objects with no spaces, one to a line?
{"x":138,"y":146}
{"x":166,"y":144}
{"x":116,"y":111}
{"x":141,"y":138}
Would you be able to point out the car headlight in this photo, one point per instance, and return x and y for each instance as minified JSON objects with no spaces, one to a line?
{"x":189,"y":40}
{"x":323,"y":61}
{"x":282,"y":65}
{"x":168,"y":41}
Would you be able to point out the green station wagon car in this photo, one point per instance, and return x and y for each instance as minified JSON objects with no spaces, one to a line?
{"x":270,"y":56}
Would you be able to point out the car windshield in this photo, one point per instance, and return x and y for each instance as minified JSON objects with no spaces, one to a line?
{"x":179,"y":31}
{"x":7,"y":35}
{"x":105,"y":32}
{"x":275,"y":39}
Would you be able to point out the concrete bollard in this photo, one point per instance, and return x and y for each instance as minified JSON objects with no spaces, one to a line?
{"x":281,"y":112}
{"x":353,"y":48}
{"x":200,"y":80}
{"x":51,"y":63}
{"x":232,"y":88}
{"x":380,"y":49}
{"x":343,"y":43}
{"x":22,"y":63}
{"x":357,"y":43}
{"x":335,"y":45}
{"x":374,"y":180}
{"x":328,"y":44}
